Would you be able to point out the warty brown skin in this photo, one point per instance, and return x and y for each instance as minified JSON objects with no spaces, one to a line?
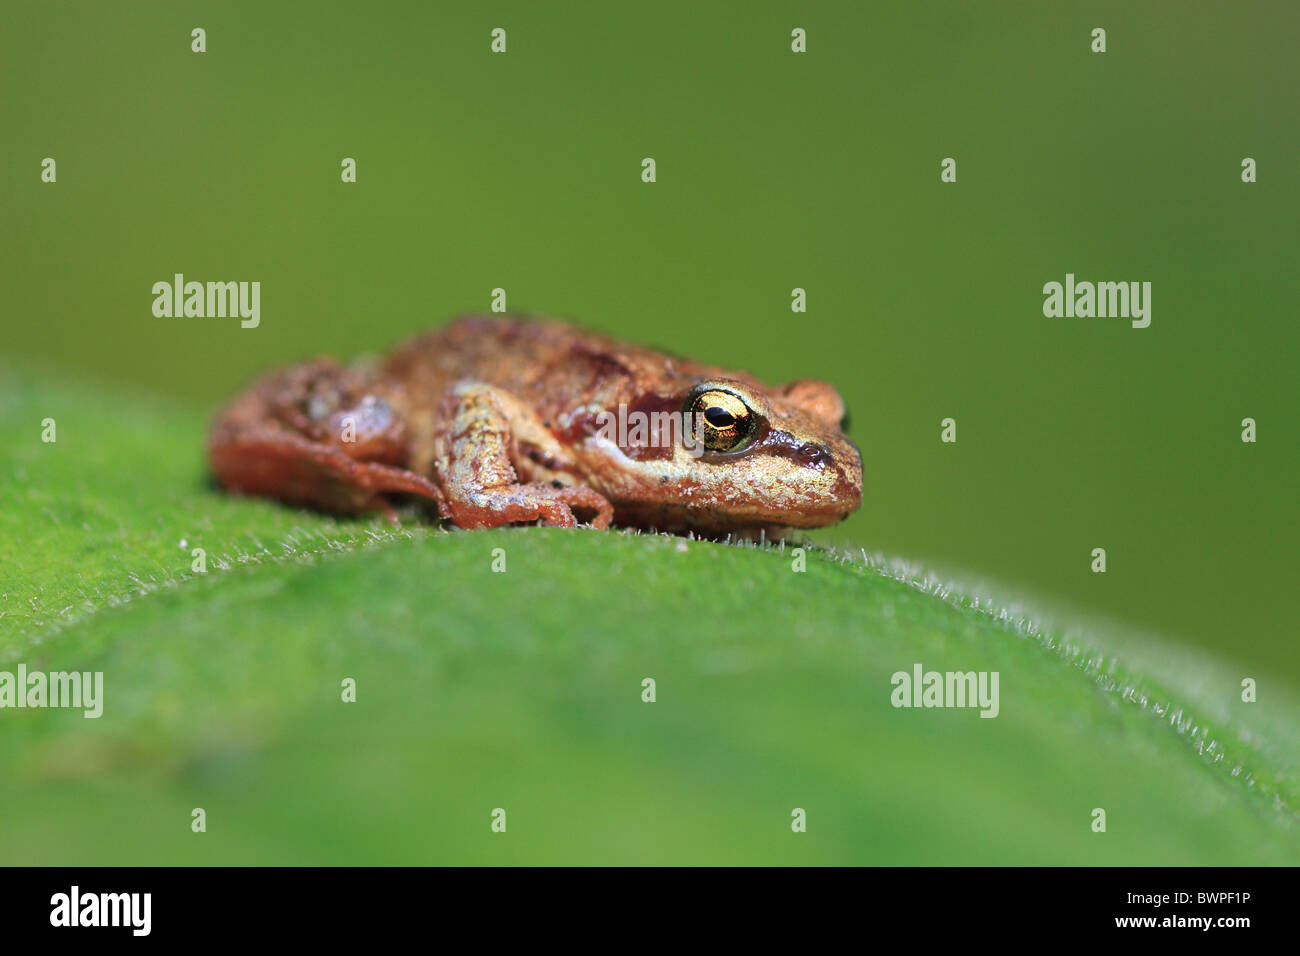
{"x":499,"y":421}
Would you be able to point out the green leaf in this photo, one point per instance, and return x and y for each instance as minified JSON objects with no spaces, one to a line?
{"x":522,"y":690}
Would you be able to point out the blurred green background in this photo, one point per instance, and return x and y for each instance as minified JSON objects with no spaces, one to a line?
{"x":775,"y":171}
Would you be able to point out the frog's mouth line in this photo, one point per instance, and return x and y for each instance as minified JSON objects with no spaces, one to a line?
{"x":710,"y":521}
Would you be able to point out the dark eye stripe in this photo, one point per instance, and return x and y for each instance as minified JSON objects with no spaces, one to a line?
{"x":781,"y":444}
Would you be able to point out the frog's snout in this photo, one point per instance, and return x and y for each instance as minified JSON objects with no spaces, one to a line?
{"x":848,"y":489}
{"x":815,"y":455}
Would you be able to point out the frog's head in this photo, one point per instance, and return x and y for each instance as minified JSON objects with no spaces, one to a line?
{"x":747,"y":456}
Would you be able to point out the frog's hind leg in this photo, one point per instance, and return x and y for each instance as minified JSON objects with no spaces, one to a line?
{"x":277,"y":463}
{"x":478,"y":462}
{"x":315,"y":436}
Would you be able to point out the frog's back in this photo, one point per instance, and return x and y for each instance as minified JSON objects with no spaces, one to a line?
{"x":549,"y":364}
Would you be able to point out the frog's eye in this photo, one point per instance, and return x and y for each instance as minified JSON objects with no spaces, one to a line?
{"x":721,"y":420}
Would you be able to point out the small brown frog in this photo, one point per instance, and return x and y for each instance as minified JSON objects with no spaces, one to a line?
{"x":505,"y":420}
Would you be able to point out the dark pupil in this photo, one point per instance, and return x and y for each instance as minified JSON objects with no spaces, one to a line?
{"x":719,"y":417}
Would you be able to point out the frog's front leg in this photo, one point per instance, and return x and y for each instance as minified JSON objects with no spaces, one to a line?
{"x":486,"y":439}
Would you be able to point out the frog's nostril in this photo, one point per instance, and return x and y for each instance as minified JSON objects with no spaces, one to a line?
{"x":814,"y":455}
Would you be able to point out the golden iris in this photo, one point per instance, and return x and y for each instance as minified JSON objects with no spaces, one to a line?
{"x":721,"y":420}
